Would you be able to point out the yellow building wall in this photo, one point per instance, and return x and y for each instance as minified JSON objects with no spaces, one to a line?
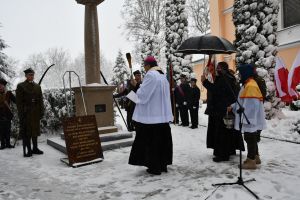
{"x":288,"y":55}
{"x":227,"y":3}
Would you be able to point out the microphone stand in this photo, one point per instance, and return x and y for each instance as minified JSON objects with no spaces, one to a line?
{"x":241,"y":113}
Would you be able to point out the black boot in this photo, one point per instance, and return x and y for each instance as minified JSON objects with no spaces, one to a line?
{"x":35,"y":149}
{"x":27,"y":145}
{"x":2,"y":144}
{"x":10,"y":146}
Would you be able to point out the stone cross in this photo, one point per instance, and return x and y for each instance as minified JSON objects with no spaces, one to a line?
{"x":91,"y":41}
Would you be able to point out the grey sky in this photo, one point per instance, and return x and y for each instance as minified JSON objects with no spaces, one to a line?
{"x":33,"y":26}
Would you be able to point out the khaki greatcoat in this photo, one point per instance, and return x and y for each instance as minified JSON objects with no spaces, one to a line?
{"x":30,"y":107}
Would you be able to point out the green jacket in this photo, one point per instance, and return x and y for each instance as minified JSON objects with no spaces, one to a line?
{"x":30,"y":107}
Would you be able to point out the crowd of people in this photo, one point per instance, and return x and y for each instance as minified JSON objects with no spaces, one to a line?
{"x":151,"y":113}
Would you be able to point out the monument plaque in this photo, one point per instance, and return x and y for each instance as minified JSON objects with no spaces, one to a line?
{"x":100,"y":108}
{"x":82,"y":139}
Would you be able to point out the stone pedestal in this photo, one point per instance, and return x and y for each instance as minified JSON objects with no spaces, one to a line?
{"x":99,"y":102}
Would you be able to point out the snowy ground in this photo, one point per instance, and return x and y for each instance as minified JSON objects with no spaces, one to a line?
{"x":190,"y":177}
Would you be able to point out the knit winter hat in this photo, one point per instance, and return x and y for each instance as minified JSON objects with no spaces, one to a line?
{"x":246,"y":71}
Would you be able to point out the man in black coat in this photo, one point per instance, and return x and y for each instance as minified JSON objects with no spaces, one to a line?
{"x":182,"y":94}
{"x":194,"y":103}
{"x":130,"y":105}
{"x":221,"y":94}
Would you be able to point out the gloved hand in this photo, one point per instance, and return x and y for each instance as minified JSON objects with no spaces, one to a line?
{"x":176,"y":105}
{"x":194,"y":107}
{"x":185,"y":103}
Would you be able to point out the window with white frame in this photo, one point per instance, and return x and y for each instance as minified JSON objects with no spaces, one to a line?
{"x":291,"y":12}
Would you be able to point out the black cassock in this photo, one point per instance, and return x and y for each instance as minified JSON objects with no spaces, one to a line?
{"x":219,"y":97}
{"x":152,"y":147}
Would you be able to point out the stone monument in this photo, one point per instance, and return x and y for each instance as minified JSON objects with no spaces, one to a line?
{"x":98,"y":97}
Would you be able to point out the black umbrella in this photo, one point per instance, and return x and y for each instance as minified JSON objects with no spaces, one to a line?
{"x":206,"y":44}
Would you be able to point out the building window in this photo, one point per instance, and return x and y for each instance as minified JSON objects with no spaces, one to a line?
{"x":291,"y":14}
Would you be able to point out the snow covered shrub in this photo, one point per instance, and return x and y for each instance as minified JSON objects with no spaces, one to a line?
{"x":55,"y":109}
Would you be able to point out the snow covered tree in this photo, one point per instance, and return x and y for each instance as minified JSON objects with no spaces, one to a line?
{"x":120,"y":72}
{"x":78,"y":65}
{"x":6,"y":71}
{"x":39,"y":62}
{"x":256,"y":26}
{"x":199,"y":15}
{"x":144,"y":23}
{"x":143,"y":16}
{"x":176,"y":33}
{"x":150,"y":46}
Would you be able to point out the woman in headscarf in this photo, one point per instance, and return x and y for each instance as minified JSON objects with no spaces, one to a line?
{"x":152,"y":146}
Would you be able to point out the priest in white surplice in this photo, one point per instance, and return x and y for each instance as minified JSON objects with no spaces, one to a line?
{"x":152,"y":146}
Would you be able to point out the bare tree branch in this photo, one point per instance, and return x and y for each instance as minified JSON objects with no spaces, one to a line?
{"x":199,"y":13}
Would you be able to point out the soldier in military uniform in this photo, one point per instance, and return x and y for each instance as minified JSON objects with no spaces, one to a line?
{"x":5,"y":115}
{"x":30,"y":110}
{"x":130,"y":105}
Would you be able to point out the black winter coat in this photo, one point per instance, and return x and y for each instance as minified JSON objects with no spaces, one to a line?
{"x":221,"y":94}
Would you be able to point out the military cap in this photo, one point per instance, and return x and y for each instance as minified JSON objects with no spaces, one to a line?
{"x":136,"y":72}
{"x":193,"y":79}
{"x":29,"y":70}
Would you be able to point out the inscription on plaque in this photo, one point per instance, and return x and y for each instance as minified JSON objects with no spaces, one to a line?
{"x":100,"y":108}
{"x":82,"y":139}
